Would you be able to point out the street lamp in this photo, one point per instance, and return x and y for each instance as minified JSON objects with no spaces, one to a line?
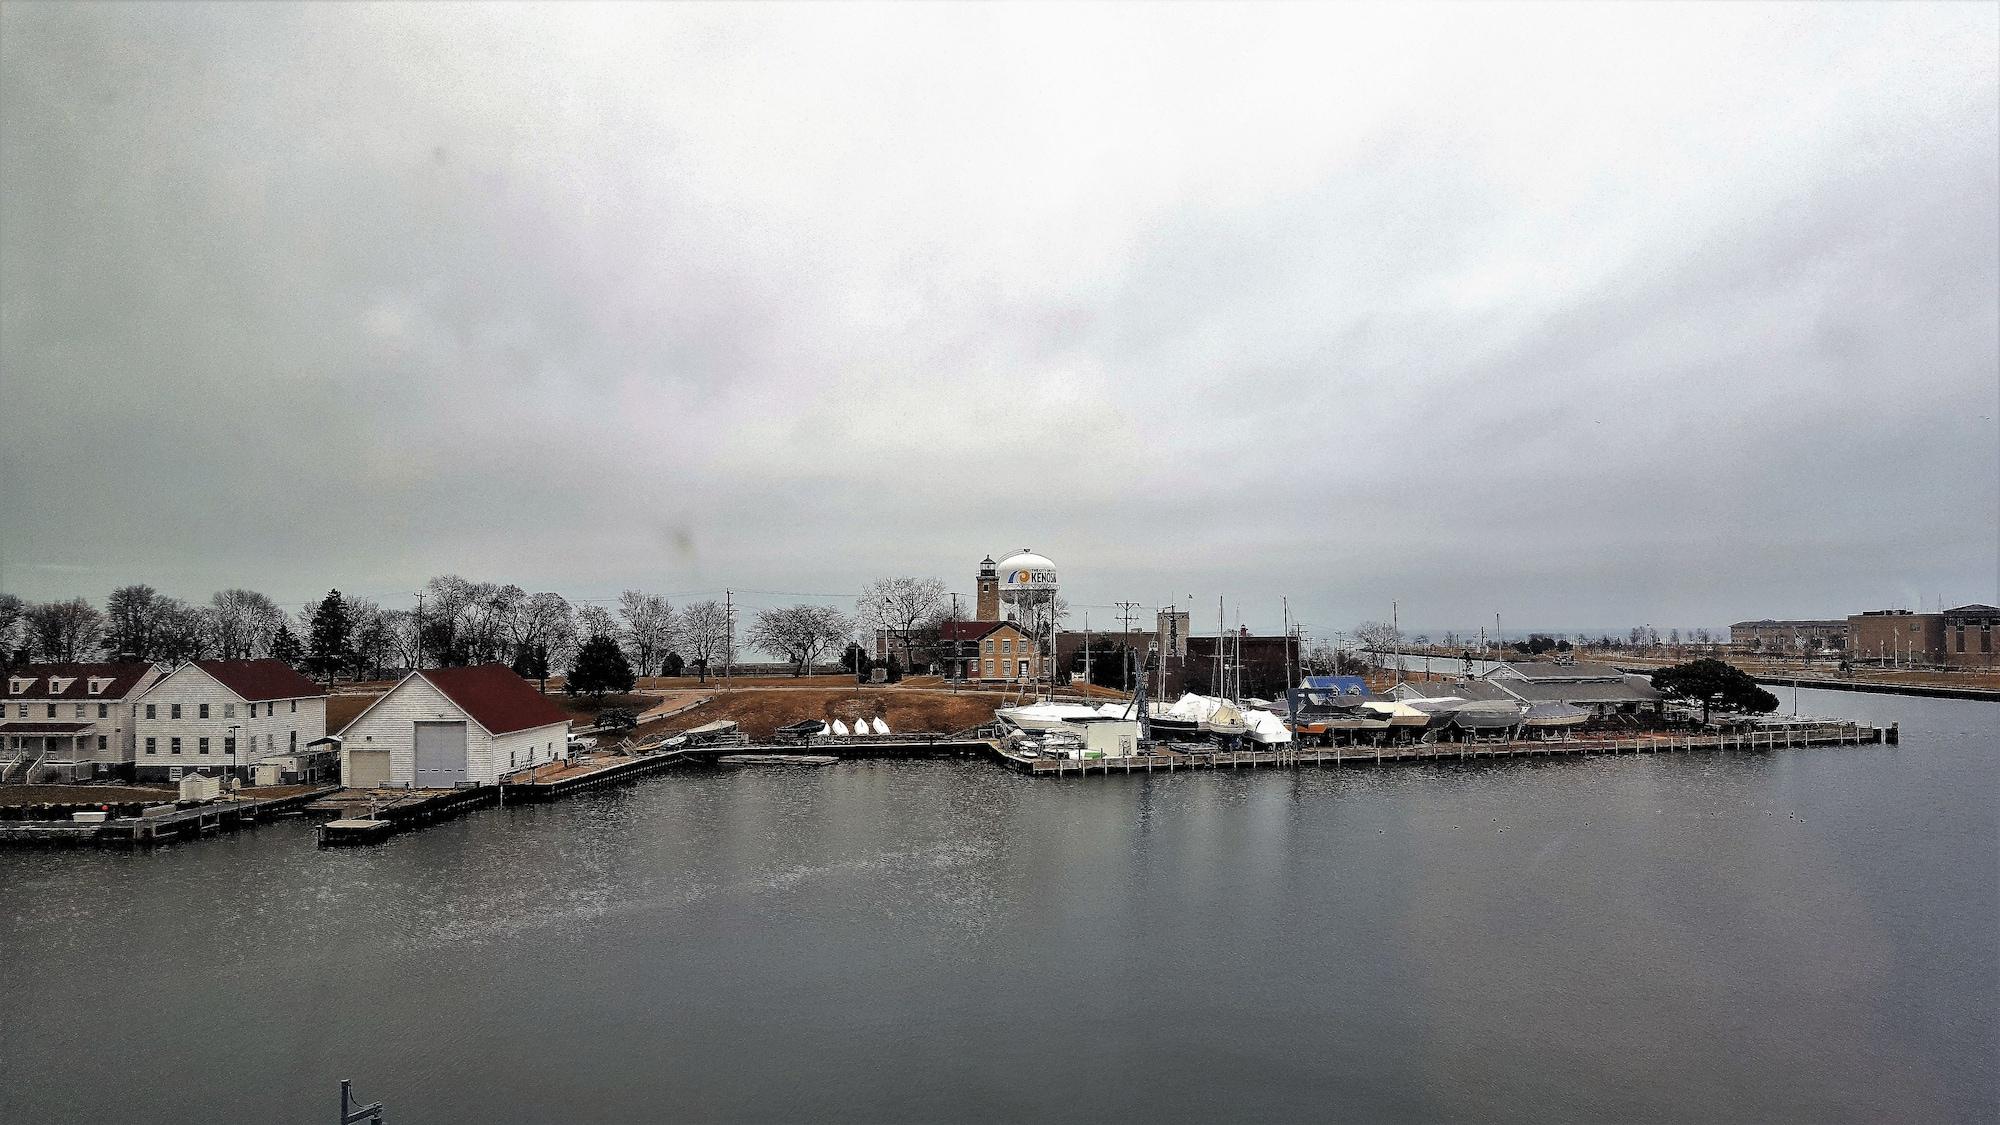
{"x":235,"y":754}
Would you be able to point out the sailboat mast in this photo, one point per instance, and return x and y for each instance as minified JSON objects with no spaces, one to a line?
{"x":1215,"y":685}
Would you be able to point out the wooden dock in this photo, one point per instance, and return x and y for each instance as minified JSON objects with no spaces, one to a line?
{"x":363,"y":811}
{"x":1167,"y":761}
{"x":593,"y":775}
{"x":162,"y":824}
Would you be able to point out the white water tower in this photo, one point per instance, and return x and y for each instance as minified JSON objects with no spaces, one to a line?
{"x":1026,"y":580}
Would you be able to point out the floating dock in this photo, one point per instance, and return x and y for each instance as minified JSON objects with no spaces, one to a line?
{"x":1293,"y":757}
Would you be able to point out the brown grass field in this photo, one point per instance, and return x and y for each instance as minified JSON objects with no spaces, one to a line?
{"x":81,"y":794}
{"x":760,"y":711}
{"x":341,"y":710}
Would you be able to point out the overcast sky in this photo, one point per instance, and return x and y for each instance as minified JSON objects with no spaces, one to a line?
{"x":1588,"y":315}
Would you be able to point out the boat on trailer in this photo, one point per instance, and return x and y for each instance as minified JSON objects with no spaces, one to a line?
{"x":1045,"y":717}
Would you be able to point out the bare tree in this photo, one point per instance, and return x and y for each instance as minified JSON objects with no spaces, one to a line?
{"x":401,"y":626}
{"x":649,"y":628}
{"x":543,"y":621}
{"x":132,"y":622}
{"x":595,"y":621}
{"x":1035,"y":610}
{"x":181,"y":632}
{"x":10,"y":625}
{"x":704,"y":633}
{"x":1378,"y":636}
{"x":803,"y":633}
{"x":64,"y":631}
{"x":243,"y":623}
{"x":899,"y":605}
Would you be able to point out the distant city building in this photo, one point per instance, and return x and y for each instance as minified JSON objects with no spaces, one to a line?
{"x":226,"y":716}
{"x":440,"y":728}
{"x":1968,"y":636}
{"x":1264,"y":662}
{"x":1789,"y":637}
{"x":79,"y":715}
{"x":1896,"y":637}
{"x":1169,"y":632}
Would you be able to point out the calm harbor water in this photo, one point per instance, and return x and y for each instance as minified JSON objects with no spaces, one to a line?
{"x":1798,"y":936}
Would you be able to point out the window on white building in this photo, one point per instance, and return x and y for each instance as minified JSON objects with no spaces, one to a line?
{"x":204,"y":746}
{"x":173,"y":746}
{"x":150,"y":712}
{"x":204,"y":710}
{"x":104,"y":710}
{"x":229,"y":710}
{"x":174,"y":711}
{"x":152,"y":747}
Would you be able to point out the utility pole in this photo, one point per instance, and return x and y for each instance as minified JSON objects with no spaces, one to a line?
{"x":1396,"y":636}
{"x":420,"y":630}
{"x":729,"y":646}
{"x":1125,"y":634}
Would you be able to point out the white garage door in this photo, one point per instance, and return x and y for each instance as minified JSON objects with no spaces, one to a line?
{"x":440,"y":755}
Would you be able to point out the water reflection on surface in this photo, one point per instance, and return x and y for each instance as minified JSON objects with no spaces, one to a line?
{"x":1803,"y":936}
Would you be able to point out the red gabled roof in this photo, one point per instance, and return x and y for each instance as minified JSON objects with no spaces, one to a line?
{"x":495,"y":697}
{"x":256,"y":681}
{"x":123,"y":676}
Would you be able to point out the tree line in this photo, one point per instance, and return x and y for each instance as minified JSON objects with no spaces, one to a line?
{"x":461,"y":622}
{"x":456,"y":622}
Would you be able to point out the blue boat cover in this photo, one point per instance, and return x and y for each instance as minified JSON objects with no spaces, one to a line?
{"x":1335,"y":691}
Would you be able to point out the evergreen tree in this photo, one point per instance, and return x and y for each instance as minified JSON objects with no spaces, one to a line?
{"x":674,"y":665}
{"x":531,"y":662}
{"x":600,"y":668}
{"x":330,"y":636}
{"x":1714,"y":683}
{"x":285,"y":646}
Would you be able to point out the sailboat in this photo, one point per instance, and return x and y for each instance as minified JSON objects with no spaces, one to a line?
{"x":1226,"y":721}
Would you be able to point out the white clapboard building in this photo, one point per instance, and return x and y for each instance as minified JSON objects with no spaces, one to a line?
{"x":69,"y":721}
{"x":444,"y":727}
{"x":226,"y":716}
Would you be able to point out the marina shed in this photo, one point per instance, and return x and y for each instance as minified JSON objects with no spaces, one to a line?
{"x":439,"y":728}
{"x":1601,"y":689}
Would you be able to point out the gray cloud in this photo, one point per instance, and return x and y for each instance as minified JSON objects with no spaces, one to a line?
{"x":1583,"y":315}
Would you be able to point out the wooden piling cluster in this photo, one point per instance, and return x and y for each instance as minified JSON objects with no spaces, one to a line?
{"x":1293,"y":757}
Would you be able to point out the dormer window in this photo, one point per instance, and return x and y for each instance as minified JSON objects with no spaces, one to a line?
{"x":19,"y":684}
{"x":98,"y":684}
{"x":60,"y":684}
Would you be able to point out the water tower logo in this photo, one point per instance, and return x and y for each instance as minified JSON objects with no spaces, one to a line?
{"x":1027,"y":572}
